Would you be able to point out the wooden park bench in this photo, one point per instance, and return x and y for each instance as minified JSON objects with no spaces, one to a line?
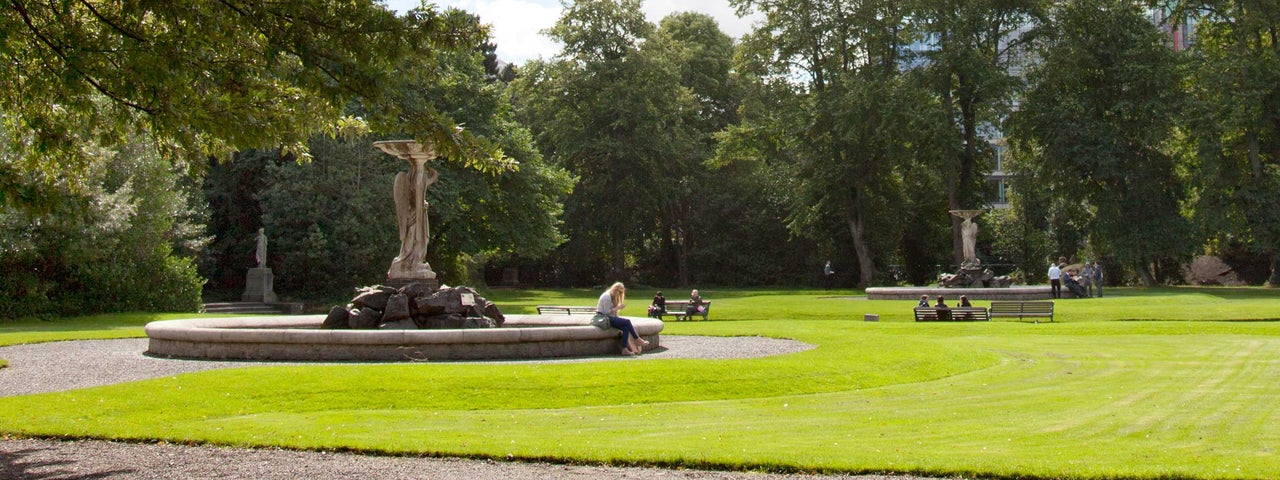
{"x":952,"y":314}
{"x":563,"y":310}
{"x":677,"y":309}
{"x":1035,"y":310}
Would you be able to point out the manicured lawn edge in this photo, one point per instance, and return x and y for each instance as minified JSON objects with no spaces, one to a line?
{"x":1080,"y":398}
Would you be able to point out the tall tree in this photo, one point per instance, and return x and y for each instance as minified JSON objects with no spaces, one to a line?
{"x":841,"y":64}
{"x":702,"y":56}
{"x":610,"y":112}
{"x":1098,"y":118}
{"x":1233,"y":124}
{"x":210,"y":78}
{"x":973,"y":49}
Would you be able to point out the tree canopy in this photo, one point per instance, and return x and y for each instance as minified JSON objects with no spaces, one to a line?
{"x":1232,"y":126}
{"x":209,"y":78}
{"x":1099,"y":115}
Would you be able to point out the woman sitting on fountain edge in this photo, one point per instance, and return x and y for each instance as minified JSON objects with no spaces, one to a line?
{"x":611,"y":302}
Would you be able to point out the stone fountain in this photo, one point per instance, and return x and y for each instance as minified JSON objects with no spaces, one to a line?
{"x":971,"y":280}
{"x":971,"y":273}
{"x":412,"y":318}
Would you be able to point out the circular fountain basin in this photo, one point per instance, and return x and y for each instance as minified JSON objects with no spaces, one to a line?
{"x":300,"y":338}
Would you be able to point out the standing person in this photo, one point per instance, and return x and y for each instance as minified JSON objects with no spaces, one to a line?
{"x":1055,"y":280}
{"x":827,"y":272}
{"x":611,"y":302}
{"x":1097,"y":276}
{"x":1086,"y":278}
{"x":695,"y":305}
{"x":659,"y":305}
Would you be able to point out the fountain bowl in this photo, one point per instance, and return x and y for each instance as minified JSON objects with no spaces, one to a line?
{"x":300,"y":338}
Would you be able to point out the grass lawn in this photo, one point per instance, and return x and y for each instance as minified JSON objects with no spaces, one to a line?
{"x":1161,"y":384}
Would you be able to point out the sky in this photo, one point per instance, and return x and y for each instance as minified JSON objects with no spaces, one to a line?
{"x":514,"y":24}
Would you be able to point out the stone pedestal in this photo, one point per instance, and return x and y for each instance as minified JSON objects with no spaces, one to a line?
{"x":258,"y":286}
{"x":403,"y":282}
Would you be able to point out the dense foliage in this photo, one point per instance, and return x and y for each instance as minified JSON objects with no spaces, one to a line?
{"x":630,"y":109}
{"x":665,"y":154}
{"x":1231,"y":129}
{"x":330,"y":221}
{"x":125,"y":242}
{"x":210,"y":78}
{"x":1097,"y":122}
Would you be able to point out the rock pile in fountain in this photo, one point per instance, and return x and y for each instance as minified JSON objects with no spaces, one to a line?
{"x":973,"y":275}
{"x":415,"y":307}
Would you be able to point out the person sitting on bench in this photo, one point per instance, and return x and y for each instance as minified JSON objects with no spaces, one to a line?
{"x":695,"y":305}
{"x":659,"y":305}
{"x":944,"y":312}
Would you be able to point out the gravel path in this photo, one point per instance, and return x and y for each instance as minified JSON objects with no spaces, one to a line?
{"x":23,"y":459}
{"x":57,"y":366}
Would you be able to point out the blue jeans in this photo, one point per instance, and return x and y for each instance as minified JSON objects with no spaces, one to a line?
{"x":628,"y":331}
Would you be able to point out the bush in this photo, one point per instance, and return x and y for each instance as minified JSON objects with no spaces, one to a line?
{"x":110,"y":248}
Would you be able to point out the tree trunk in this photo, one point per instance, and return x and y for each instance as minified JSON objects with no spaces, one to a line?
{"x":866,"y":269}
{"x":968,"y":160}
{"x":683,"y":244}
{"x":1274,"y":281}
{"x":619,"y":260}
{"x":1145,"y":277}
{"x":953,"y":187}
{"x":682,"y":259}
{"x":1255,"y":160}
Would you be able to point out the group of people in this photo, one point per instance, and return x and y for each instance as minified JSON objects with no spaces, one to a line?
{"x":659,"y":305}
{"x":1082,"y":283}
{"x":613,"y":300}
{"x":944,"y":310}
{"x":942,"y":302}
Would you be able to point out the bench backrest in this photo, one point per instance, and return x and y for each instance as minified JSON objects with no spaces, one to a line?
{"x":565,"y":310}
{"x":1021,"y":307}
{"x":673,"y":305}
{"x":931,"y":313}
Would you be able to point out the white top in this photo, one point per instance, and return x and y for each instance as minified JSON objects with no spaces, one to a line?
{"x":605,"y":305}
{"x":1054,"y":272}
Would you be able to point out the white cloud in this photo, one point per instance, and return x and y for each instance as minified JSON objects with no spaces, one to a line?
{"x":515,"y":24}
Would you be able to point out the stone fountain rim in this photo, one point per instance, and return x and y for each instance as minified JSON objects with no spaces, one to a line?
{"x":299,"y":337}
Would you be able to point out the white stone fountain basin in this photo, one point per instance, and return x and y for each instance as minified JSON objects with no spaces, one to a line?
{"x":300,"y":338}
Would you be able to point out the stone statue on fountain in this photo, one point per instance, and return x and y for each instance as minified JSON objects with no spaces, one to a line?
{"x":410,"y":189}
{"x":971,"y":273}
